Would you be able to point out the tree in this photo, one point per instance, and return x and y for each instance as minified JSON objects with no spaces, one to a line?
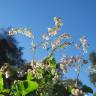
{"x":92,"y":73}
{"x":9,"y":52}
{"x":10,"y":57}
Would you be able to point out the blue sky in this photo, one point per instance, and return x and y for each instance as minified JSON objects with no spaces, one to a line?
{"x":79,"y":17}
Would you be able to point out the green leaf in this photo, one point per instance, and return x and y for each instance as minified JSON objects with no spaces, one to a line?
{"x":30,"y":86}
{"x":52,"y":62}
{"x":1,"y":95}
{"x":60,"y":46}
{"x":20,"y":88}
{"x":94,"y":94}
{"x":69,"y":88}
{"x":29,"y":76}
{"x":1,"y":82}
{"x":24,"y":87}
{"x":87,"y":89}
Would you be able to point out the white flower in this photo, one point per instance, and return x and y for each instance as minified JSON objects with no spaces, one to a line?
{"x":7,"y":74}
{"x":45,"y":37}
{"x":55,"y":43}
{"x":20,"y":74}
{"x":45,"y":44}
{"x":84,"y":43}
{"x":63,"y":36}
{"x":24,"y":31}
{"x":52,"y":31}
{"x":78,"y":46}
{"x":58,"y":22}
{"x":38,"y":64}
{"x":53,"y":71}
{"x":53,"y":46}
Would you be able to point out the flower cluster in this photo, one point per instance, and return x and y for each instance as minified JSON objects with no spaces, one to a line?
{"x":58,"y":22}
{"x":45,"y":44}
{"x":53,"y":31}
{"x":76,"y":92}
{"x":57,"y":41}
{"x":65,"y":36}
{"x":48,"y":71}
{"x":78,"y":45}
{"x":38,"y":69}
{"x":20,"y":74}
{"x":65,"y":44}
{"x":24,"y":31}
{"x":84,"y":43}
{"x":92,"y":69}
{"x":45,"y":36}
{"x":68,"y":61}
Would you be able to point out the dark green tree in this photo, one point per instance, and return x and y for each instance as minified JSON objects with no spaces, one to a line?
{"x":92,"y":74}
{"x":9,"y":51}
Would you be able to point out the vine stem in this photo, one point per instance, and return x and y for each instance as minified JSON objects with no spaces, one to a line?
{"x":79,"y":69}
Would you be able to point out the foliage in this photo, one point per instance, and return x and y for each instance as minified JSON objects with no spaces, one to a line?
{"x":94,"y":94}
{"x":18,"y":87}
{"x":9,"y":51}
{"x":43,"y":78}
{"x":87,"y":89}
{"x":92,"y":72}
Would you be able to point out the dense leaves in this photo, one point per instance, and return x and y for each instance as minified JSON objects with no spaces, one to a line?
{"x":92,"y":72}
{"x":87,"y":89}
{"x":9,"y":52}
